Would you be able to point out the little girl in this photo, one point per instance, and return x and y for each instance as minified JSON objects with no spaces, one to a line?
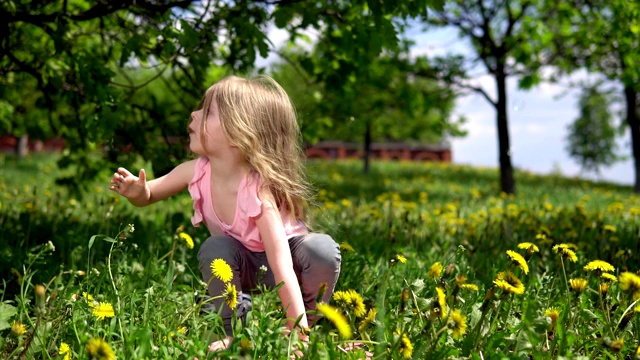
{"x":249,"y":189}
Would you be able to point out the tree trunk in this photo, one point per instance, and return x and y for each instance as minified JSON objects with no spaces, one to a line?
{"x":631,"y":97}
{"x":507,"y":183}
{"x":367,"y":147}
{"x":22,"y":146}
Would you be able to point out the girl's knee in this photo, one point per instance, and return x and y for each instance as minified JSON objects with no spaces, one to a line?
{"x":322,"y":250}
{"x":218,"y":247}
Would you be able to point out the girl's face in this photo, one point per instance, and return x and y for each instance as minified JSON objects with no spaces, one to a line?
{"x":213,"y":136}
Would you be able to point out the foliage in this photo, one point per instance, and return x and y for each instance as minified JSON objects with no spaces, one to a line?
{"x":393,"y":226}
{"x":602,"y":37}
{"x":500,"y":33}
{"x":592,"y":136}
{"x":72,"y":68}
{"x":395,"y":103}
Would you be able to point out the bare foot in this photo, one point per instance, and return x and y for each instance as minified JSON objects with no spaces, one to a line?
{"x":221,"y":344}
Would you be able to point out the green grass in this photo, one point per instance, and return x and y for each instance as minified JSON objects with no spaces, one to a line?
{"x":431,"y":214}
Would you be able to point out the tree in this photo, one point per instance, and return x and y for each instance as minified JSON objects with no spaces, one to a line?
{"x":500,"y":33}
{"x":592,"y":136}
{"x":603,"y":37}
{"x":75,"y":59}
{"x":386,"y":103}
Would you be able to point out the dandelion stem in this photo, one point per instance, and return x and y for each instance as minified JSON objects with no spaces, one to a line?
{"x":566,"y":282}
{"x":113,"y":283}
{"x":605,"y":314}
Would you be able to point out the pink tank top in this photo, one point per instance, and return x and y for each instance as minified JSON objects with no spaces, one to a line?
{"x":248,"y":207}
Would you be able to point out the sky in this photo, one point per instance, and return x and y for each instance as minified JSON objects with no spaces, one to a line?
{"x":538,"y":118}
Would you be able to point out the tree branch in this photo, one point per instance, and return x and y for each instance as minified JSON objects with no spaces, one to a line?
{"x":97,"y":11}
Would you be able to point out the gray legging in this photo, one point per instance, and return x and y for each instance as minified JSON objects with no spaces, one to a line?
{"x":316,"y":260}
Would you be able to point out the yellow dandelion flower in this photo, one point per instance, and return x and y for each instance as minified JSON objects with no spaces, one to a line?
{"x":458,"y":324}
{"x":401,"y":258}
{"x":182,"y":330}
{"x":610,"y":228}
{"x":221,"y":270}
{"x":99,"y":349}
{"x":553,"y":314}
{"x":509,"y":283}
{"x":18,"y":328}
{"x":89,"y":299}
{"x":578,"y":284}
{"x":472,"y":287}
{"x":599,"y":265}
{"x":616,"y":345}
{"x":103,"y":310}
{"x":368,"y":320}
{"x":609,"y":277}
{"x":630,"y":283}
{"x":564,"y":251}
{"x":518,"y":260}
{"x":187,"y":239}
{"x":406,"y":347}
{"x":604,"y":288}
{"x":65,"y":350}
{"x":530,"y":247}
{"x":230,"y":295}
{"x":352,"y":301}
{"x":346,"y":247}
{"x":339,"y":321}
{"x":441,"y":302}
{"x":435,"y":271}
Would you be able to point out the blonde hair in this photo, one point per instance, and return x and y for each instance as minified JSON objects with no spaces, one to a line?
{"x":257,"y":116}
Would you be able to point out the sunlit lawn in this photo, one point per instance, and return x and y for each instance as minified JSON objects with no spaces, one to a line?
{"x":440,"y":263}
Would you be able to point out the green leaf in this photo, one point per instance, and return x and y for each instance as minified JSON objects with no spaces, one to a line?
{"x":6,"y":312}
{"x":282,"y":16}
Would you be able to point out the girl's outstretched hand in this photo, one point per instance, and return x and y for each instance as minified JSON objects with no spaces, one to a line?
{"x":130,"y":186}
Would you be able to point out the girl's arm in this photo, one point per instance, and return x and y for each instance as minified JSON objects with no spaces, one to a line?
{"x":276,"y":246}
{"x":141,"y":192}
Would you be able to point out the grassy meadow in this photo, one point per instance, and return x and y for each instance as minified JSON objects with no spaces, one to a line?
{"x":436,"y":264}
